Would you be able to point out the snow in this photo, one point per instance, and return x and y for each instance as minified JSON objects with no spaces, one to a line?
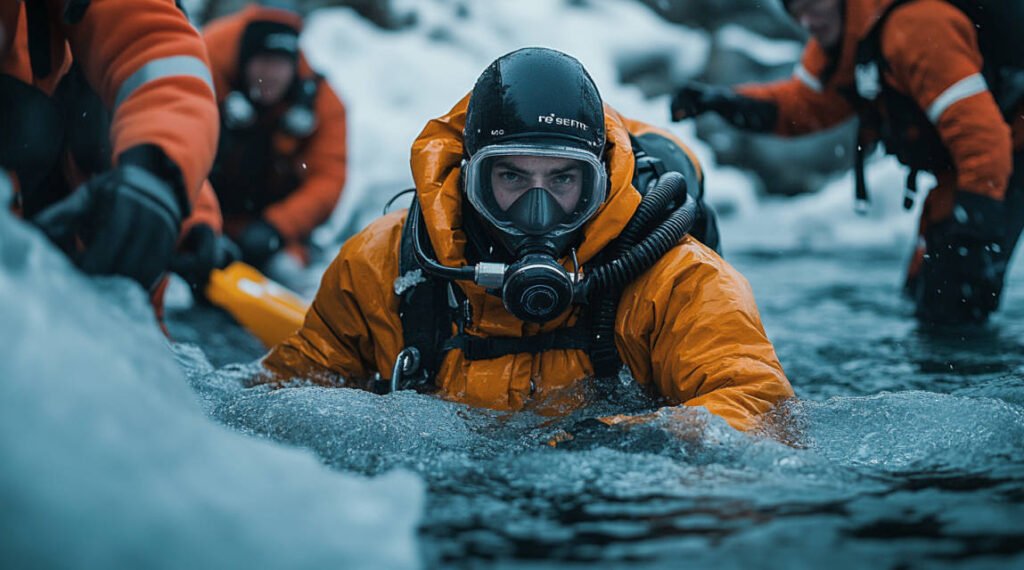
{"x":763,"y":50}
{"x":826,"y":221}
{"x":394,"y":82}
{"x":411,"y":279}
{"x":110,"y":461}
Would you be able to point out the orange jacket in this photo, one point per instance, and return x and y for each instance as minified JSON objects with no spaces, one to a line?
{"x":688,"y":326}
{"x":317,"y":161}
{"x":932,"y":50}
{"x":205,"y":211}
{"x":148,"y":66}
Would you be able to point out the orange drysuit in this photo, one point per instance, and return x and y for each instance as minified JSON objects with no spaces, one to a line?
{"x":688,"y":327}
{"x":933,"y":58}
{"x":293,"y":182}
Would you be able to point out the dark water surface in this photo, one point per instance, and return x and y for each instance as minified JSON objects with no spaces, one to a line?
{"x":905,"y":450}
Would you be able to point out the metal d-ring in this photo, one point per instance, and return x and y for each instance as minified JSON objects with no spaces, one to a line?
{"x":407,"y":362}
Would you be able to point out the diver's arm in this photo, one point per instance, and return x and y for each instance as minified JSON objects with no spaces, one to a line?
{"x":691,"y":327}
{"x":333,"y":337}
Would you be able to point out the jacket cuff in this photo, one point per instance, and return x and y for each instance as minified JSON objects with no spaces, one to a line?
{"x":153,"y":159}
{"x":979,"y":216}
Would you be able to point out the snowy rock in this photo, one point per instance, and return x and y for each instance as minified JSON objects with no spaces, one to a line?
{"x":109,"y":461}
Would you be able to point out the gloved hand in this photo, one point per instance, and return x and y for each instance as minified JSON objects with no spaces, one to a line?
{"x":259,"y":241}
{"x":128,"y":218}
{"x":695,"y":98}
{"x":664,"y":428}
{"x":961,"y":277}
{"x":202,"y":251}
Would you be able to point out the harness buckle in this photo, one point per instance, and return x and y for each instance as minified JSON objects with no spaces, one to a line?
{"x":407,"y":362}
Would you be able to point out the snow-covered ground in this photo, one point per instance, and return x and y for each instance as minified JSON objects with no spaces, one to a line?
{"x":108,"y":460}
{"x":394,"y":82}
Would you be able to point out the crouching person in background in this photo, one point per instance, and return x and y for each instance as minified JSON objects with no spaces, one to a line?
{"x":280,"y":166}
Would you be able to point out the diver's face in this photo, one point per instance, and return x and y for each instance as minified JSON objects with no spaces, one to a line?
{"x":269,"y":77}
{"x":823,"y":19}
{"x":512,"y":176}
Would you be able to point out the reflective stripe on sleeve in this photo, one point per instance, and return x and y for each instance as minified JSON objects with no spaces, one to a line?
{"x":807,"y":79}
{"x":178,"y":65}
{"x":966,"y":87}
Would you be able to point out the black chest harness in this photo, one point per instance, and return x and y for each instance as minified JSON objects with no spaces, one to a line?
{"x":250,"y":173}
{"x":899,"y":122}
{"x":436,"y":314}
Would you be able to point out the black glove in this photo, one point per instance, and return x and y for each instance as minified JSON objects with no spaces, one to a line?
{"x":127,"y":217}
{"x":259,"y":241}
{"x":961,"y":278}
{"x":201,"y":252}
{"x":695,"y":98}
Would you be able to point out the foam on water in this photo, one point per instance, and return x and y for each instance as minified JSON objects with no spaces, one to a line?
{"x":684,"y":483}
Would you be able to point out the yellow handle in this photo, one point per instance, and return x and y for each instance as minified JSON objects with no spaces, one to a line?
{"x":267,"y":309}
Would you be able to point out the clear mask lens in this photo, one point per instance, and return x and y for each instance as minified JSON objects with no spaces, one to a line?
{"x":504,"y":183}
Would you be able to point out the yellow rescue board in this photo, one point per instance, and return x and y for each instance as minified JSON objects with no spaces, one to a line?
{"x":265,"y":308}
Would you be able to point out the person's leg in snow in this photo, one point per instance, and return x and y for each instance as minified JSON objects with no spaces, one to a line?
{"x":953,"y":280}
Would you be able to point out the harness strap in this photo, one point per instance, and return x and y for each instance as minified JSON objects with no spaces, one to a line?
{"x":910,"y":192}
{"x":423,"y":306}
{"x":39,"y":52}
{"x":860,"y":178}
{"x":487,"y":348}
{"x":74,"y":10}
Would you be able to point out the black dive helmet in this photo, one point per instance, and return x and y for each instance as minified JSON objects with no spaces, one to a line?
{"x":535,"y":102}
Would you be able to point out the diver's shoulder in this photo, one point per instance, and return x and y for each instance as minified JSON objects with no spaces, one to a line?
{"x":690,"y":263}
{"x":379,"y":239}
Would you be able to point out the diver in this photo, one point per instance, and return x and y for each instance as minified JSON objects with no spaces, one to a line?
{"x":546,"y":243}
{"x":941,"y":83}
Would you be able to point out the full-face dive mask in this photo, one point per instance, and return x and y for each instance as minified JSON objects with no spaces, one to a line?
{"x":534,"y":200}
{"x":533,"y":141}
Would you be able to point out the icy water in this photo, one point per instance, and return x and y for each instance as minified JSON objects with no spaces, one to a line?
{"x":905,"y":449}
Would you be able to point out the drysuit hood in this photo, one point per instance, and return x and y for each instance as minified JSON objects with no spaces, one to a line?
{"x":437,"y":156}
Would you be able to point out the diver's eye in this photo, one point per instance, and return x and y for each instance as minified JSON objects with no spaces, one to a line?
{"x":565,"y":179}
{"x":509,"y":176}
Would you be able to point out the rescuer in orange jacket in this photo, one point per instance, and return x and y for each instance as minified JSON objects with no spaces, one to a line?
{"x":928,"y":78}
{"x":523,"y":180}
{"x":280,"y":167}
{"x":143,"y":174}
